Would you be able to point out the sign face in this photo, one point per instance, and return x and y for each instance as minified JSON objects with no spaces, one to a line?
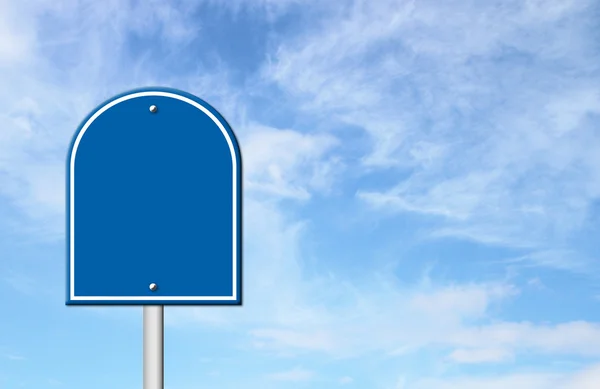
{"x":154,"y":204}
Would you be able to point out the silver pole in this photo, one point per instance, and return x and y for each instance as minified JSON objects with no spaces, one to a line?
{"x":153,"y":346}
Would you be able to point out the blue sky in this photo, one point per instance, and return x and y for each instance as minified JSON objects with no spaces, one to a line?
{"x":421,"y":191}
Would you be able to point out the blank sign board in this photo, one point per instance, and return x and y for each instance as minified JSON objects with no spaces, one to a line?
{"x":154,"y":203}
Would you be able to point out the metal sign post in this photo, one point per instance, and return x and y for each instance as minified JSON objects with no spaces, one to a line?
{"x":154,"y":210}
{"x":153,"y":347}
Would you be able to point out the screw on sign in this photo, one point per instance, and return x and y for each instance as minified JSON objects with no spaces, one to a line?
{"x":154,"y":198}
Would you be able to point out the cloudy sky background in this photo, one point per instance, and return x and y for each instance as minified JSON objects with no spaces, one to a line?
{"x":422,"y":185}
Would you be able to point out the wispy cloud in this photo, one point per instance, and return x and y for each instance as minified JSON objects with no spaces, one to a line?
{"x":346,"y":380}
{"x":43,"y":100}
{"x":495,"y":130}
{"x":287,"y":163}
{"x":13,"y":357}
{"x":558,"y":259}
{"x":21,"y":283}
{"x":585,"y":379}
{"x":480,"y":355}
{"x":479,"y":118}
{"x":296,"y":374}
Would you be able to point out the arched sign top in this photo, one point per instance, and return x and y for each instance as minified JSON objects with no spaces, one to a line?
{"x":160,"y":92}
{"x":154,"y":203}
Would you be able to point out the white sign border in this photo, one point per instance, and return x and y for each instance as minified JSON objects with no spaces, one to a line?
{"x":234,"y":161}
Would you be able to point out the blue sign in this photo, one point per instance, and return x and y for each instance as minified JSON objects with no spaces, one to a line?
{"x":154,"y":203}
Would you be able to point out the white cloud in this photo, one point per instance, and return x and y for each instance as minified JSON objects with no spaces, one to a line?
{"x":20,"y":283}
{"x":296,"y":374}
{"x":271,"y":9}
{"x":536,"y":283}
{"x":585,"y":379}
{"x":54,"y":382}
{"x":346,"y":380}
{"x":283,"y":316}
{"x":17,"y":41}
{"x":480,"y":355}
{"x":52,"y":77}
{"x":488,"y":105}
{"x":15,"y":357}
{"x":486,"y":190}
{"x":90,"y":63}
{"x":557,"y":259}
{"x":571,"y":338}
{"x":406,"y":321}
{"x":290,"y":313}
{"x":468,"y":300}
{"x":286,"y":163}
